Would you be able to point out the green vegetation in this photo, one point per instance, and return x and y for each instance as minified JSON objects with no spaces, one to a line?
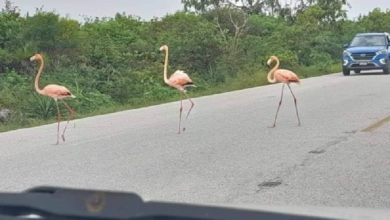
{"x":113,"y":64}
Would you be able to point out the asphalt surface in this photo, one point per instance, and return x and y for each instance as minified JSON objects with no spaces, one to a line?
{"x":227,"y":154}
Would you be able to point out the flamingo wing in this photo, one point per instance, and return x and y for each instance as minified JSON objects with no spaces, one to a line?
{"x":287,"y":76}
{"x":57,"y":91}
{"x":180,"y":78}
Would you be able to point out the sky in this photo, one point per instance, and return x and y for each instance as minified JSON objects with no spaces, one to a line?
{"x":146,"y":9}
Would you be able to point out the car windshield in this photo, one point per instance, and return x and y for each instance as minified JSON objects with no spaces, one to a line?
{"x":369,"y":40}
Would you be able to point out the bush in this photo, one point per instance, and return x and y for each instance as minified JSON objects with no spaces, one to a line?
{"x":114,"y":63}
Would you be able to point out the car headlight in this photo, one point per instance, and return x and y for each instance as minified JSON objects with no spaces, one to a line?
{"x":346,"y":53}
{"x":383,"y":51}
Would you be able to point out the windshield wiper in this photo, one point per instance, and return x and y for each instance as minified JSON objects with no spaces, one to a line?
{"x":64,"y":203}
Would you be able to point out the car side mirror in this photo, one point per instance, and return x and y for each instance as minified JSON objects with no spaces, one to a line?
{"x":346,"y":45}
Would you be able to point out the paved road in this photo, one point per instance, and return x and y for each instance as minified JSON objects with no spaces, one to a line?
{"x":228,"y":154}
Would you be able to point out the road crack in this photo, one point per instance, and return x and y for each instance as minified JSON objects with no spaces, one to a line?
{"x":309,"y":159}
{"x":269,"y":184}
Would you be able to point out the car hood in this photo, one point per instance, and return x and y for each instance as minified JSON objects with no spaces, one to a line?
{"x":372,"y":49}
{"x":60,"y":202}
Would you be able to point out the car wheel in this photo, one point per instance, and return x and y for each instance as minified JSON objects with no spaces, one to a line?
{"x":357,"y":71}
{"x":346,"y":72}
{"x":386,"y":69}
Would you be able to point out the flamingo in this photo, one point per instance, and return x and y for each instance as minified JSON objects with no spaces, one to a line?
{"x":54,"y":91}
{"x":286,"y":77}
{"x":179,"y":80}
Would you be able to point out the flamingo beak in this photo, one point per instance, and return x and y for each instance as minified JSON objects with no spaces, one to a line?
{"x":32,"y":58}
{"x":269,"y":63}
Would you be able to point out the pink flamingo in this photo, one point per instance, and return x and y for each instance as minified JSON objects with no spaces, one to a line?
{"x":179,"y":80}
{"x":286,"y":77}
{"x":54,"y":91}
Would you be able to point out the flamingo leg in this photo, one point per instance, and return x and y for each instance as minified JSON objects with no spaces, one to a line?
{"x":181,"y":110}
{"x":71,"y":113}
{"x":59,"y":120}
{"x":280,"y":103}
{"x":295,"y":102}
{"x":192,"y":105}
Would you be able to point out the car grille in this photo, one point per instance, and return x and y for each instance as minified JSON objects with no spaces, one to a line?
{"x":368,"y":65}
{"x":363,"y":56}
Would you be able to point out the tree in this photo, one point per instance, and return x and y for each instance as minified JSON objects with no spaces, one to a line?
{"x":376,"y":20}
{"x":333,"y":8}
{"x":248,"y":6}
{"x":47,"y":32}
{"x":11,"y":43}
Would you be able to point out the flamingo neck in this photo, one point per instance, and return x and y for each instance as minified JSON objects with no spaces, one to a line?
{"x":166,"y":66}
{"x":271,"y":75}
{"x":38,"y":76}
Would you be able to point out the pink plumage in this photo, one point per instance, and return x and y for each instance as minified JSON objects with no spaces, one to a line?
{"x":56,"y":92}
{"x":179,"y":80}
{"x":286,"y":77}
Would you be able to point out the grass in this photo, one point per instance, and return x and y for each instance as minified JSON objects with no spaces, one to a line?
{"x":244,"y":81}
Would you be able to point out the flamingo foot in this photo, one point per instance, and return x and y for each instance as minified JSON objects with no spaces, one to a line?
{"x":184,"y":129}
{"x":63,"y":137}
{"x":273,"y":126}
{"x":56,"y":143}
